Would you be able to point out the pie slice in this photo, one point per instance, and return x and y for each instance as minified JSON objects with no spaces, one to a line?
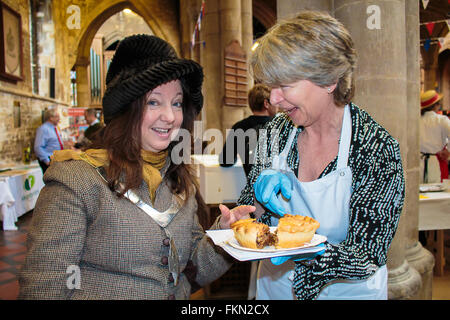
{"x":252,"y":234}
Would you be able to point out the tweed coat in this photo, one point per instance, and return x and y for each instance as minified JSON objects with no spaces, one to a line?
{"x":78,"y":222}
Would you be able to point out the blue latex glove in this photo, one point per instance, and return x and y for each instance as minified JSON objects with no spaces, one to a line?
{"x":299,"y":257}
{"x":268,"y":185}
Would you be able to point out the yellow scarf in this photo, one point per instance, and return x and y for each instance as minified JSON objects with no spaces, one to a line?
{"x":153,"y":162}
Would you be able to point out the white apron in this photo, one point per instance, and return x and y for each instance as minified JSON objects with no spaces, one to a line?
{"x":433,"y":169}
{"x":327,"y":200}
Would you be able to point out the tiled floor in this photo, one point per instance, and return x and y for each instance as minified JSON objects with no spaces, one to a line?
{"x":13,"y":250}
{"x":12,"y":253}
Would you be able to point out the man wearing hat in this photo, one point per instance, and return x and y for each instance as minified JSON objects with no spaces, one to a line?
{"x":434,"y":138}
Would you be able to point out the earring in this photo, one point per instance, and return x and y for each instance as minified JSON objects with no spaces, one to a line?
{"x":329,"y":90}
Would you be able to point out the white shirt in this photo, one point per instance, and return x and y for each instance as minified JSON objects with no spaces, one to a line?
{"x":434,"y":132}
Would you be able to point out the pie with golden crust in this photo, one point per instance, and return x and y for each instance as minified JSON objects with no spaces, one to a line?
{"x":293,"y":231}
{"x":252,"y":234}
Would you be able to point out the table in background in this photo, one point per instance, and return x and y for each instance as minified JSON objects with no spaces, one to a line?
{"x":24,"y":184}
{"x":434,"y":215}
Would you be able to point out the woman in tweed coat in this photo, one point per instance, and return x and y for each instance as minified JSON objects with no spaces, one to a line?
{"x":90,"y":237}
{"x":329,"y":158}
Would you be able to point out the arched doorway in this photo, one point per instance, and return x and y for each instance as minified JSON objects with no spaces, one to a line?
{"x":118,"y":26}
{"x":264,"y":16}
{"x":96,"y":19}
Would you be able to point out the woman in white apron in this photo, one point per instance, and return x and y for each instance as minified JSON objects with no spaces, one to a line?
{"x":336,"y":165}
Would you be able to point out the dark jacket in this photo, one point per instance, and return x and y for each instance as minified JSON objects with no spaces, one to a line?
{"x":92,"y":129}
{"x":242,"y":144}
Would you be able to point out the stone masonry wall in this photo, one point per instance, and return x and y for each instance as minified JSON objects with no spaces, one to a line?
{"x":14,"y":138}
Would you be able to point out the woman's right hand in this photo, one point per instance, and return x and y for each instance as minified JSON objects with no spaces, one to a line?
{"x":228,"y":217}
{"x":267,"y":187}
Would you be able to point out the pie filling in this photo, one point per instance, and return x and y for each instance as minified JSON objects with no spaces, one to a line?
{"x":266,"y":239}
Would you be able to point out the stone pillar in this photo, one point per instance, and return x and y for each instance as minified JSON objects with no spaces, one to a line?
{"x":83,"y":98}
{"x":446,"y":83}
{"x":189,"y":11}
{"x":288,"y":8}
{"x":418,"y":257}
{"x":430,"y":66}
{"x":212,"y":60}
{"x":247,"y":39}
{"x":381,"y":89}
{"x":247,"y":25}
{"x":224,"y":22}
{"x":231,"y":29}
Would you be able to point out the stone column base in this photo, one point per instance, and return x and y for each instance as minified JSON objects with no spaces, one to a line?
{"x":404,"y":282}
{"x":423,"y":261}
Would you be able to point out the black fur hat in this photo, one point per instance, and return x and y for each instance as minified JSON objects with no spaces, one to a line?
{"x":142,"y":63}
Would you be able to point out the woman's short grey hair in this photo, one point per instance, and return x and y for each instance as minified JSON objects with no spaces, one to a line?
{"x":311,"y":46}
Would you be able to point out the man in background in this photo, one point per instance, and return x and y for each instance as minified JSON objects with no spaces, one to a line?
{"x":90,"y":115}
{"x":263,"y":111}
{"x":48,"y":138}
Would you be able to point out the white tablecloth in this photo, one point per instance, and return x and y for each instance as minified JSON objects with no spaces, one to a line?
{"x":19,"y":189}
{"x":434,"y":214}
{"x":434,"y":211}
{"x":7,"y":206}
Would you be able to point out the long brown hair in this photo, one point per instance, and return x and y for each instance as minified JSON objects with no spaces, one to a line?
{"x":121,"y":137}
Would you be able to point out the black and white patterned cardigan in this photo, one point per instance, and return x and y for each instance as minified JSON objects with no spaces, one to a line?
{"x":378,"y":191}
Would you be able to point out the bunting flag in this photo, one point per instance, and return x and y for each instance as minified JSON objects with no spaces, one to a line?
{"x":425,"y":3}
{"x":426,"y":45}
{"x":193,"y":38}
{"x":430,"y":27}
{"x":441,"y":41}
{"x":198,"y":24}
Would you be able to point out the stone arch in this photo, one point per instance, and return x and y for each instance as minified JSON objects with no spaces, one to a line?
{"x":112,"y":38}
{"x":103,"y":11}
{"x":263,"y":11}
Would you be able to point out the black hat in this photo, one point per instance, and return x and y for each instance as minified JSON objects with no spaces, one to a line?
{"x":142,"y":63}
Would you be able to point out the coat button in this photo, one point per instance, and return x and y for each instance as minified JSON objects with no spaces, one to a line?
{"x":171,"y":297}
{"x":164,"y":260}
{"x":166,"y":242}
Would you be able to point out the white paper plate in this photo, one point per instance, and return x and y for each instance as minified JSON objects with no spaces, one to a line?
{"x":221,"y":238}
